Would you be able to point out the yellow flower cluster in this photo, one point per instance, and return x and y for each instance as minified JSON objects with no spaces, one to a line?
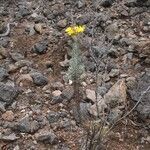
{"x":75,"y":30}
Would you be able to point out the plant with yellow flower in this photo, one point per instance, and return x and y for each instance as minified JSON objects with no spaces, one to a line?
{"x":75,"y":30}
{"x":76,"y":67}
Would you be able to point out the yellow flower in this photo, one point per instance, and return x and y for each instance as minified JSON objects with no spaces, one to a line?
{"x":75,"y":30}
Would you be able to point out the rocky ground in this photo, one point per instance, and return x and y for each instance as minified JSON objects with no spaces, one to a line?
{"x":34,"y":57}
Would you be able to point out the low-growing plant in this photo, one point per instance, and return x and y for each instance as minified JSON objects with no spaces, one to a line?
{"x":76,"y":67}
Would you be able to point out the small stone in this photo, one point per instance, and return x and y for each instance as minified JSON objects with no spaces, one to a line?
{"x":49,"y":64}
{"x":112,"y":31}
{"x":148,"y":139}
{"x":62,"y":23}
{"x":64,"y":63}
{"x":16,"y":56}
{"x":16,"y":147}
{"x":90,"y":95}
{"x":25,"y":79}
{"x":84,"y":84}
{"x":131,"y":82}
{"x":80,"y":4}
{"x":114,"y":115}
{"x":114,"y":72}
{"x":56,"y":97}
{"x":47,"y":137}
{"x":3,"y":52}
{"x":30,"y":30}
{"x":67,"y":94}
{"x":9,"y":138}
{"x":2,"y":28}
{"x":57,"y":86}
{"x":38,"y":28}
{"x":2,"y":106}
{"x":106,"y":77}
{"x":7,"y":93}
{"x":56,"y":93}
{"x":143,"y":84}
{"x":124,"y":75}
{"x":93,"y":110}
{"x":24,"y":12}
{"x":40,"y":48}
{"x":116,"y":95}
{"x":8,"y":116}
{"x":53,"y":117}
{"x":106,"y":3}
{"x":147,"y":60}
{"x":25,"y":125}
{"x":102,"y":90}
{"x":39,"y":79}
{"x":83,"y":114}
{"x":23,"y":63}
{"x":3,"y":74}
{"x":12,"y":68}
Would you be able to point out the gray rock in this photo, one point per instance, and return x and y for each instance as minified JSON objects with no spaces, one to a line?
{"x":99,"y":108}
{"x":3,"y":74}
{"x":116,"y":95}
{"x":84,"y":19}
{"x":141,"y":3}
{"x":16,"y":56}
{"x":106,"y":77}
{"x":56,"y":93}
{"x":114,"y":72}
{"x":62,"y":23}
{"x":41,"y":47}
{"x":112,"y":30}
{"x":8,"y":116}
{"x":3,"y":52}
{"x":89,"y":66}
{"x":100,"y":50}
{"x":42,"y":120}
{"x":67,"y":94}
{"x":90,"y":95}
{"x":106,"y":3}
{"x":114,"y":115}
{"x":64,"y":63}
{"x":82,"y":113}
{"x":113,"y":52}
{"x":143,"y":108}
{"x":57,"y":86}
{"x":56,"y":97}
{"x":102,"y":90}
{"x":30,"y":30}
{"x":24,"y":12}
{"x":23,"y":63}
{"x":38,"y":28}
{"x":16,"y":147}
{"x":80,"y":4}
{"x":53,"y":117}
{"x":9,"y":138}
{"x":136,"y":10}
{"x":130,"y":3}
{"x":2,"y":28}
{"x":39,"y":79}
{"x":8,"y":93}
{"x":47,"y":137}
{"x":2,"y":106}
{"x":4,"y":42}
{"x":25,"y":125}
{"x":131,"y":82}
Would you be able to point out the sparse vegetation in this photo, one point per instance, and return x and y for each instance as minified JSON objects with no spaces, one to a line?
{"x":74,"y":75}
